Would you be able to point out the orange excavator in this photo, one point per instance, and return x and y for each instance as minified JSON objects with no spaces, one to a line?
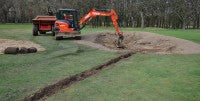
{"x":67,"y":24}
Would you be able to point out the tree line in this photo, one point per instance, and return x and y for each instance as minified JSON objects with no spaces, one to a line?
{"x":175,"y":14}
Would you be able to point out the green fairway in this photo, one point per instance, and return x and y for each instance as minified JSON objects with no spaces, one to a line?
{"x":141,"y":77}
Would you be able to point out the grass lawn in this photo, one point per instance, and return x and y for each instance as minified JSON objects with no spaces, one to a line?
{"x":23,"y":74}
{"x":141,"y":77}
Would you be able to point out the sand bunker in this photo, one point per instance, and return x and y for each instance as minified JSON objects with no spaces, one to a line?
{"x":143,"y":42}
{"x":4,"y":43}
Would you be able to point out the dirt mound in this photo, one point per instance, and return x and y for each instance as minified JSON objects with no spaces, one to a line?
{"x":5,"y":43}
{"x":143,"y":42}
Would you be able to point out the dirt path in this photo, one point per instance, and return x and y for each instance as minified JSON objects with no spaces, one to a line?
{"x":49,"y":90}
{"x":4,"y":43}
{"x":142,"y":42}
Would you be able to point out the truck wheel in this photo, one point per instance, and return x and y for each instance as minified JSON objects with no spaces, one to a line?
{"x":59,"y":37}
{"x":35,"y":31}
{"x":42,"y":32}
{"x":53,"y":33}
{"x":78,"y":37}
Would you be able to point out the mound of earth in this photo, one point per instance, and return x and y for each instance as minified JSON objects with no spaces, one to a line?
{"x":4,"y":43}
{"x":141,"y":42}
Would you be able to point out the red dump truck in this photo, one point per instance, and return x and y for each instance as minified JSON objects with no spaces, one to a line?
{"x":43,"y":24}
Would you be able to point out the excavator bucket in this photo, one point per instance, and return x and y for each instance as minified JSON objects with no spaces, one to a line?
{"x":119,"y":42}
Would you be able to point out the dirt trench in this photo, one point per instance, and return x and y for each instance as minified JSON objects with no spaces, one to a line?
{"x":49,"y":90}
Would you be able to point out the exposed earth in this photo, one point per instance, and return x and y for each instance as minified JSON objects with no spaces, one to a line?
{"x":141,"y":42}
{"x":4,"y":43}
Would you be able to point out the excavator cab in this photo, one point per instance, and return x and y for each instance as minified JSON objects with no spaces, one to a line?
{"x":67,"y":24}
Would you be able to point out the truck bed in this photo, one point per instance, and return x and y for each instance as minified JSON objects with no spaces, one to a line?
{"x":45,"y":18}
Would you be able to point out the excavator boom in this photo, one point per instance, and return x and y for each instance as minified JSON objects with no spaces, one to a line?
{"x":103,"y":12}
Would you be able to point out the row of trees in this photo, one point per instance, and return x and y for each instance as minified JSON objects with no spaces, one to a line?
{"x":132,"y":13}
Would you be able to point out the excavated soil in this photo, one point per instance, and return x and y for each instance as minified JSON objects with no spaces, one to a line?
{"x":4,"y":43}
{"x":141,"y":42}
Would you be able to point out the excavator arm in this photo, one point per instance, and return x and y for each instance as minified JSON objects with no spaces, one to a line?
{"x":103,"y":12}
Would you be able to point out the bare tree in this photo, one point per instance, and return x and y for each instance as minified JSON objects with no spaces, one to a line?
{"x":132,"y":13}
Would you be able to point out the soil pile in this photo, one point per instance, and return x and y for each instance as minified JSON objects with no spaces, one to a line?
{"x":141,"y":42}
{"x":5,"y":43}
